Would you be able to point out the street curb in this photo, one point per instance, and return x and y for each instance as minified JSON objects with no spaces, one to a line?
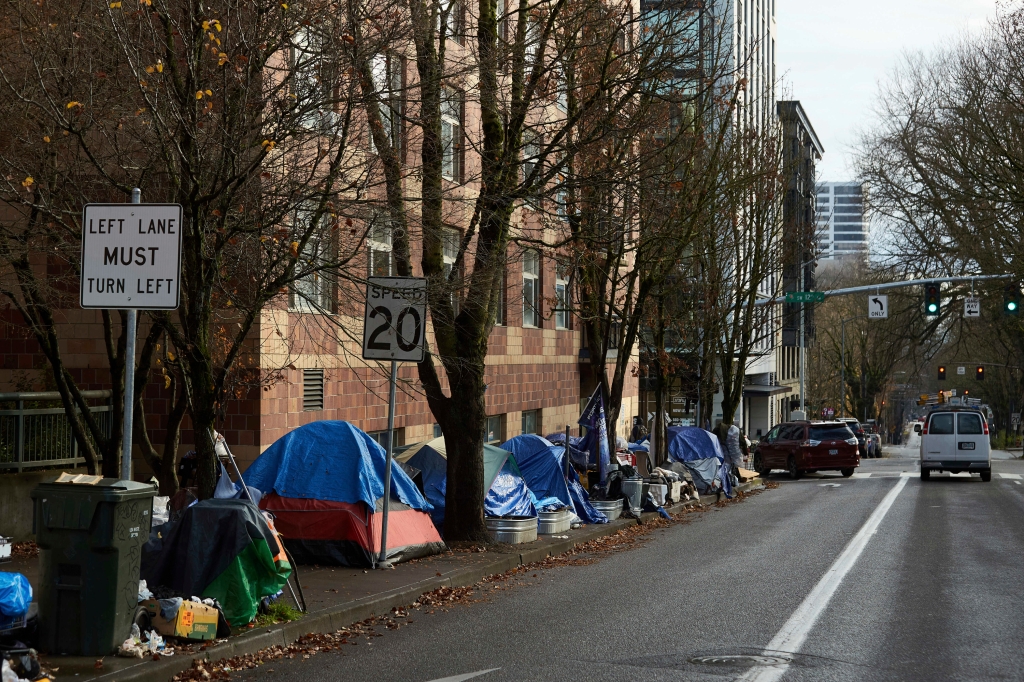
{"x":333,"y":619}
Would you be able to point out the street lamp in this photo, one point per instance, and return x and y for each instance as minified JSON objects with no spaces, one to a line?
{"x":842,"y":365}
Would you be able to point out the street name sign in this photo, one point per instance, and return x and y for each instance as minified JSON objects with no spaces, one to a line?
{"x":972,"y":306}
{"x":878,"y":307}
{"x":131,"y":256}
{"x":805,"y":297}
{"x":395,"y":322}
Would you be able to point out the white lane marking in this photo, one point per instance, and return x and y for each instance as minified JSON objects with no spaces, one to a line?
{"x":1012,"y":477}
{"x":1017,"y":482}
{"x":793,"y":634}
{"x":467,"y":676}
{"x":860,"y":475}
{"x":829,"y":485}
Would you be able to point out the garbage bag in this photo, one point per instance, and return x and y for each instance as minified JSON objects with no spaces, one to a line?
{"x":15,"y":594}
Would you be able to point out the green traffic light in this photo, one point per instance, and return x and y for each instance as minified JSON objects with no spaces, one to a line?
{"x":932,"y":307}
{"x":1011,"y":305}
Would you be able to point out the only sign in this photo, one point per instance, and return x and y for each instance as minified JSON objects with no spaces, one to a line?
{"x":395,"y":323}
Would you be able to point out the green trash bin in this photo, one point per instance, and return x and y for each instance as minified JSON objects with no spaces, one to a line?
{"x":90,"y":538}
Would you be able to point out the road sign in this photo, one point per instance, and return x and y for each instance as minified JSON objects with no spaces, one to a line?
{"x":878,"y":307}
{"x":805,"y":297}
{"x":961,"y":370}
{"x":1015,"y":419}
{"x":972,"y":306}
{"x":131,"y":256}
{"x":395,"y":322}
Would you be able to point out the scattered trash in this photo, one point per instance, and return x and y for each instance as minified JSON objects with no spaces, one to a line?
{"x":144,"y":592}
{"x":139,"y":646}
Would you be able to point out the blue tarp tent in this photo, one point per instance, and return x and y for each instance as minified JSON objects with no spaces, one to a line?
{"x":578,"y":454}
{"x":507,"y":492}
{"x":305,"y":464}
{"x":699,"y":451}
{"x":544,"y":468}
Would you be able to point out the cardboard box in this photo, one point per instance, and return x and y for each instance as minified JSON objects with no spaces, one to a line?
{"x":193,"y":621}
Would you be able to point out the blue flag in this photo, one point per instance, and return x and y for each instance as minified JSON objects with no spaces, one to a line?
{"x":596,"y":440}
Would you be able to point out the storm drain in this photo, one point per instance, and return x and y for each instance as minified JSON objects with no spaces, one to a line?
{"x":740,"y":660}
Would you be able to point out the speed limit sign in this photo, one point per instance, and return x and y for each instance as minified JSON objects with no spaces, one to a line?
{"x":396,"y":319}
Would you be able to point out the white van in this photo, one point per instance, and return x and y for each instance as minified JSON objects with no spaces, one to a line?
{"x":955,"y":440}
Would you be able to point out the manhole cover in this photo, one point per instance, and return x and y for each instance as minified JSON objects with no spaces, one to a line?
{"x":745,"y":660}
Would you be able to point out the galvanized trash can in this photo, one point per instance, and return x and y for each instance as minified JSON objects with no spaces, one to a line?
{"x":513,"y":530}
{"x":90,"y":533}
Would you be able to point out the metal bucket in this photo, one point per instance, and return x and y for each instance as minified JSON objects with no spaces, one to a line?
{"x":553,"y":522}
{"x":633,"y":488}
{"x":610,"y":508}
{"x":513,"y":530}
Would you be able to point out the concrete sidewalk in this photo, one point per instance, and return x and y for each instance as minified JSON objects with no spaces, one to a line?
{"x":337,"y":597}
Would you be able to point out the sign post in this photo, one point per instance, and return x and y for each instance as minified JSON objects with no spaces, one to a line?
{"x":131,"y":260}
{"x":972,"y":306}
{"x":394,"y":328}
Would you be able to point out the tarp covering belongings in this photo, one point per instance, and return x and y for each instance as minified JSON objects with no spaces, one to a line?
{"x":545,"y":472}
{"x":596,"y":440}
{"x":220,"y":549}
{"x":507,"y":493}
{"x":324,"y":484}
{"x":701,"y":453}
{"x":578,"y":454}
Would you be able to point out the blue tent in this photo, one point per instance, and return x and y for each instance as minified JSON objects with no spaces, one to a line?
{"x":307,"y":464}
{"x":544,"y":468}
{"x":578,"y":454}
{"x":507,"y":492}
{"x":700,"y":452}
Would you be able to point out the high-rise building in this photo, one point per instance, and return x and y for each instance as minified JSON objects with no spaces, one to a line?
{"x":842,"y":220}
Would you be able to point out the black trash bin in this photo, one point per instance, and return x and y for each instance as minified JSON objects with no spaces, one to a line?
{"x":90,"y":537}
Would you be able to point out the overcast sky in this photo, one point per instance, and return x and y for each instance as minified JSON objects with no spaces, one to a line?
{"x":833,"y":54}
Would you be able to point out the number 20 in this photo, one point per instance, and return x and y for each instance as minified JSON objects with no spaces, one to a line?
{"x":385,"y":324}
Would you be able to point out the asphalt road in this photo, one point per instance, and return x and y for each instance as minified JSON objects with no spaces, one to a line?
{"x":890,"y":578}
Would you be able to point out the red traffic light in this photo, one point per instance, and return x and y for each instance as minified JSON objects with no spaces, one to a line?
{"x":979,"y":373}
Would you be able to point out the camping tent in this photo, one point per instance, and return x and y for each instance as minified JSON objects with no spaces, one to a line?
{"x":222,"y":549}
{"x":324,"y":483}
{"x":507,"y":493}
{"x":546,"y":473}
{"x":700,"y":452}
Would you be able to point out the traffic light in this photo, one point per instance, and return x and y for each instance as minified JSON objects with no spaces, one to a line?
{"x":932,"y":300}
{"x":1011,"y":300}
{"x":942,"y":373}
{"x":979,"y":373}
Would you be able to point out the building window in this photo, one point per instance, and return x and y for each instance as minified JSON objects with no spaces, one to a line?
{"x":494,"y":429}
{"x":449,"y":251}
{"x":378,"y":244}
{"x":381,"y":437}
{"x":531,"y":289}
{"x":311,"y":80}
{"x":311,"y":290}
{"x":531,"y":421}
{"x":561,"y":296}
{"x":451,"y":134}
{"x":531,"y":154}
{"x":437,"y":431}
{"x":312,"y":390}
{"x":387,"y":83}
{"x":455,"y":21}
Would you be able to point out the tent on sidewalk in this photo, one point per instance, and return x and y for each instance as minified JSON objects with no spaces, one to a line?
{"x":546,"y":472}
{"x":701,"y":453}
{"x":507,"y":492}
{"x":324,"y":484}
{"x":221,"y":549}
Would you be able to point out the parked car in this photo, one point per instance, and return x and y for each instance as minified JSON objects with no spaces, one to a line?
{"x":802,"y":447}
{"x":876,"y":444}
{"x":956,"y":440}
{"x":858,"y":431}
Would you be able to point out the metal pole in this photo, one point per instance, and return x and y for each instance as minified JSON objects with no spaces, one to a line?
{"x":842,"y":380}
{"x":383,"y":560}
{"x":129,"y":381}
{"x":803,"y":352}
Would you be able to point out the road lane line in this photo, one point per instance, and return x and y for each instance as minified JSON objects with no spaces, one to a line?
{"x":1012,"y":477}
{"x":862,"y":475}
{"x":793,"y":634}
{"x":467,"y":676}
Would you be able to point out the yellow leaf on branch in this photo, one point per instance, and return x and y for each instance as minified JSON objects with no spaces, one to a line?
{"x":27,"y":182}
